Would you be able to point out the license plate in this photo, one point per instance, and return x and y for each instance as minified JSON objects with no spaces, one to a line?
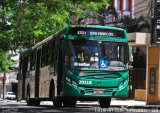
{"x":98,"y":91}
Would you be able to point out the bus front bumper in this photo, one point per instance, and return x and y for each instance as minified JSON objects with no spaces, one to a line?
{"x":75,"y":91}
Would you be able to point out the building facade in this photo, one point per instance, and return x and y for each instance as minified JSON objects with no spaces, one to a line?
{"x":10,"y":82}
{"x":145,"y":55}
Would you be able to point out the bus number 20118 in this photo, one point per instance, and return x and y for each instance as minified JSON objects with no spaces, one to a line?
{"x":85,"y":82}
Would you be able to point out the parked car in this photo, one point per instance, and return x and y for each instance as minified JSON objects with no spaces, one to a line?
{"x":10,"y":96}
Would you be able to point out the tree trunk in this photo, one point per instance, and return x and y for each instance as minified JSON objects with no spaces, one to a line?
{"x":4,"y":85}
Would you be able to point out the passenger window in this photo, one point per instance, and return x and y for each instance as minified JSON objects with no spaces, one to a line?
{"x":67,"y":57}
{"x":43,"y":57}
{"x":29,"y":63}
{"x":50,"y":52}
{"x":33,"y":60}
{"x":55,"y":59}
{"x":53,"y":50}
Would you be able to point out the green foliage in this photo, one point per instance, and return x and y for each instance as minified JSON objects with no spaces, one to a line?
{"x":35,"y":20}
{"x":5,"y":64}
{"x":25,"y":24}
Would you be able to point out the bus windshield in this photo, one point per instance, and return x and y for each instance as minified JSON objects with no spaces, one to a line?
{"x":95,"y":55}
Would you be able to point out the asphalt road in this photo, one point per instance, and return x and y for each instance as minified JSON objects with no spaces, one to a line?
{"x":46,"y":107}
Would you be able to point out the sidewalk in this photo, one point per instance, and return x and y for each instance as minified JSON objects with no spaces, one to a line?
{"x":114,"y":103}
{"x":126,"y":103}
{"x":1,"y":99}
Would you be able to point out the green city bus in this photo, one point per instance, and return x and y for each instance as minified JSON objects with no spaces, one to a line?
{"x":81,"y":62}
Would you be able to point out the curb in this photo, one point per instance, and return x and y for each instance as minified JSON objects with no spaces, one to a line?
{"x":124,"y":105}
{"x":137,"y":107}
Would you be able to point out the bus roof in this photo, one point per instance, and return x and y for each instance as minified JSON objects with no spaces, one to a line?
{"x":98,"y":26}
{"x":72,"y":26}
{"x":47,"y":39}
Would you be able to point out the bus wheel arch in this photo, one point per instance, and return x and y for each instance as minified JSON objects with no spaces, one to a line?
{"x":28,"y":93}
{"x":69,"y":102}
{"x":57,"y":101}
{"x":51,"y":90}
{"x":28,"y":99}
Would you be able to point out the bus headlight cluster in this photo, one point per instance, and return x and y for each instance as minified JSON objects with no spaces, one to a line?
{"x":68,"y":79}
{"x":126,"y":81}
{"x":122,"y":84}
{"x":72,"y":82}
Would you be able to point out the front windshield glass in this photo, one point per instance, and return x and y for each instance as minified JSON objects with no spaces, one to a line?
{"x":94,"y":55}
{"x":112,"y":56}
{"x":82,"y":54}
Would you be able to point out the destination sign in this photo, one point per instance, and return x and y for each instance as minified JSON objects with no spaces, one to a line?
{"x":96,"y":32}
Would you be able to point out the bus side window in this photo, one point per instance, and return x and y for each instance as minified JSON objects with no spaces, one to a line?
{"x":29,"y":63}
{"x":67,"y":57}
{"x":50,"y":52}
{"x":56,"y":51}
{"x":44,"y":54}
{"x":33,"y":59}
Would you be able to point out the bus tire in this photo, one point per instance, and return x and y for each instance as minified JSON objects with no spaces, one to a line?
{"x":65,"y":102}
{"x":104,"y":103}
{"x":57,"y":102}
{"x":36,"y":102}
{"x":72,"y":103}
{"x":69,"y":102}
{"x":28,"y":100}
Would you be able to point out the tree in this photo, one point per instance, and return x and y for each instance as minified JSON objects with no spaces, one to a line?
{"x":25,"y":22}
{"x":34,"y":20}
{"x":5,"y":64}
{"x":5,"y":40}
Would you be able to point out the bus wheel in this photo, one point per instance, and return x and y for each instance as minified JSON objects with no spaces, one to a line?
{"x":72,"y":103}
{"x":57,"y":102}
{"x":36,"y":102}
{"x":65,"y":102}
{"x":105,"y":103}
{"x":68,"y":102}
{"x":28,"y":100}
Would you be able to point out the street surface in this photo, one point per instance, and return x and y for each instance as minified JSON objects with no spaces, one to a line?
{"x":81,"y":107}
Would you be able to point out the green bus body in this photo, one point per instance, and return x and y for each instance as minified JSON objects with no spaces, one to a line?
{"x":110,"y":86}
{"x":81,"y":62}
{"x":95,"y":83}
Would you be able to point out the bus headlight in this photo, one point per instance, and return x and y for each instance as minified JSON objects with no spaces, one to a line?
{"x":68,"y":79}
{"x":126,"y":81}
{"x":122,"y":83}
{"x":74,"y":83}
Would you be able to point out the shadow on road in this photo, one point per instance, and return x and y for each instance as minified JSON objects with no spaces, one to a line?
{"x":12,"y":108}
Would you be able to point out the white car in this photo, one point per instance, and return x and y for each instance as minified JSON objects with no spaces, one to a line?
{"x":10,"y":96}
